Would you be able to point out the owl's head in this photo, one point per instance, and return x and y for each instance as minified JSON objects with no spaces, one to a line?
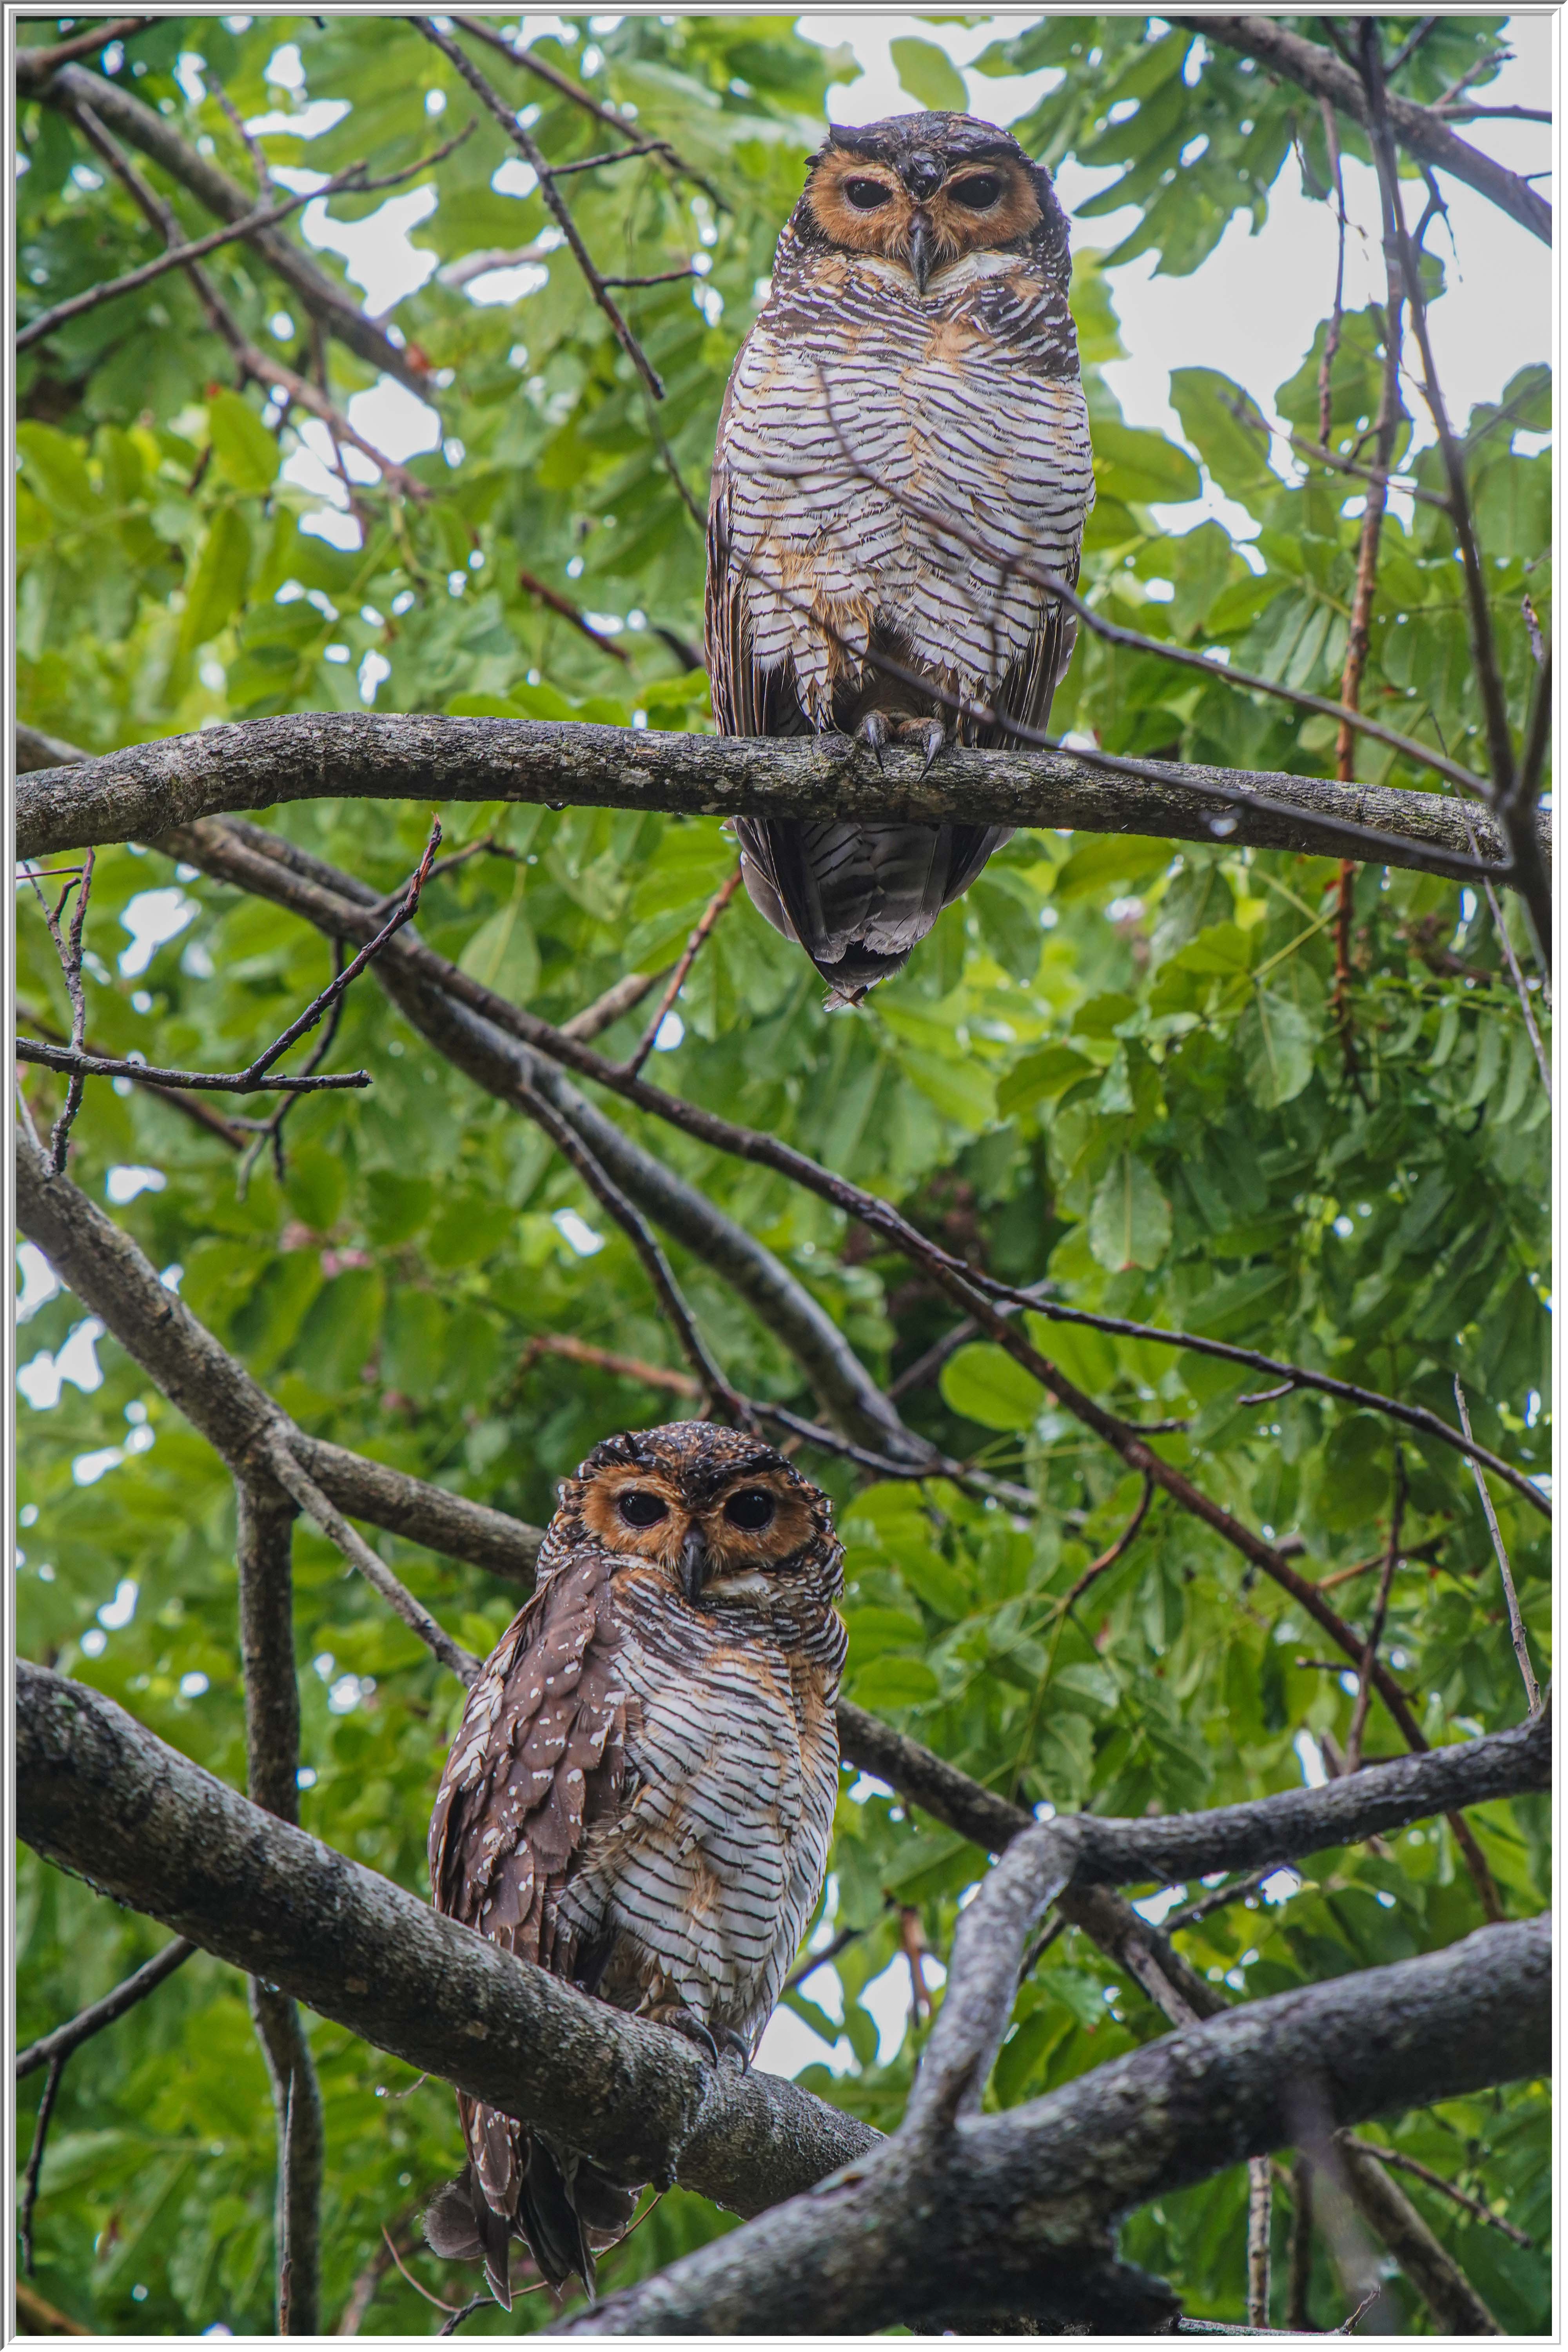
{"x":925,"y":190}
{"x":725,"y":1517}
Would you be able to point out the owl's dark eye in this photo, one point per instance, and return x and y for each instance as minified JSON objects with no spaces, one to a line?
{"x":641,"y":1509}
{"x":978,"y":193}
{"x":752,"y":1508}
{"x":867,"y":195}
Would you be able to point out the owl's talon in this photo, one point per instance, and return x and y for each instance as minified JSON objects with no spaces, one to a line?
{"x":936,"y":734}
{"x":874,"y":731}
{"x":692,"y":2029}
{"x":734,"y":2043}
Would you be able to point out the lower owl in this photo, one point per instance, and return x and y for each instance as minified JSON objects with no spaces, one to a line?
{"x":903,"y":468}
{"x":640,"y":1795}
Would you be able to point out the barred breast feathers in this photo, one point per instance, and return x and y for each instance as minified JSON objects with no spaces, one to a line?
{"x":966,"y":403}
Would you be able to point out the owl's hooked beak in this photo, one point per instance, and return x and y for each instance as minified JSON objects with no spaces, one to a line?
{"x":696,"y":1562}
{"x":923,"y":248}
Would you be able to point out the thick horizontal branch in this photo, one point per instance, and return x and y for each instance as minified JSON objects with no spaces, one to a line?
{"x":138,"y":794}
{"x":1014,"y":2212}
{"x":104,"y":1268}
{"x":99,"y":1795}
{"x":141,"y":126}
{"x":1419,"y":130}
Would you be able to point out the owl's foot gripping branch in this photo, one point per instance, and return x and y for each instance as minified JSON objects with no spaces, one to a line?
{"x":960,"y":2217}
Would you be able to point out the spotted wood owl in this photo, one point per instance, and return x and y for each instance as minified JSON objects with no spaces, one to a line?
{"x":641,"y":1792}
{"x":914,"y":364}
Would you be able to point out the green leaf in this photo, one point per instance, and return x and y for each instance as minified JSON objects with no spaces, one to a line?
{"x":1277,"y":1039}
{"x":216,"y":586}
{"x":54,"y":467}
{"x":1130,"y":1218}
{"x":928,"y":75}
{"x":502,"y":953}
{"x":248,"y":455}
{"x":893,"y":1682}
{"x":986,"y":1384}
{"x":1041,"y":1076}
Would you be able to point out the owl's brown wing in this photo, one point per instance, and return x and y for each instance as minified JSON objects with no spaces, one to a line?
{"x":538,"y":1759}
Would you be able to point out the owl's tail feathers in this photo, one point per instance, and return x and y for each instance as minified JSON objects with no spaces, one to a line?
{"x":461,"y":2226}
{"x":549,"y":2218}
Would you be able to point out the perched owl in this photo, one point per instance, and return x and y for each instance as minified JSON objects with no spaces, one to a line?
{"x":914,"y":361}
{"x":641,"y":1793}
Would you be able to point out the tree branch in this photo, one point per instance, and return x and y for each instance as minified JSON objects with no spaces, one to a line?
{"x":141,"y":792}
{"x":104,"y":1268}
{"x":71,"y":87}
{"x":1432,"y":2271}
{"x":1418,"y":129}
{"x":266,"y":1518}
{"x":994,"y":2212}
{"x":1471,"y":2205}
{"x":64,"y":2038}
{"x":99,"y":1795}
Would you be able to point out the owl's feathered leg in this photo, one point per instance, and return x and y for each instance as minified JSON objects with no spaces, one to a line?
{"x":461,"y":2226}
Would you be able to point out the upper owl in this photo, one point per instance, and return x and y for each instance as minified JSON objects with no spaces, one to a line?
{"x":904,"y":428}
{"x":640,"y":1794}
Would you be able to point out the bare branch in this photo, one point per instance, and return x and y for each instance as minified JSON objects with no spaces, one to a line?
{"x":1379,"y":1615}
{"x":1260,"y":2220}
{"x":555,"y":204}
{"x":252,"y":362}
{"x":621,"y":998}
{"x":1108,"y":1557}
{"x":59,"y":2044}
{"x":272,"y":1754}
{"x":99,"y":1795}
{"x":1437,"y":2277}
{"x":72,"y":89}
{"x":277,"y":1457}
{"x":1515,"y":1617}
{"x":35,"y":2162}
{"x":141,"y":792}
{"x":636,"y":143}
{"x":574,"y":613}
{"x":81,"y":1066}
{"x":83,"y":45}
{"x":1471,"y":2205}
{"x":1422,"y":132}
{"x":604,"y":1360}
{"x":69,"y":953}
{"x":177,"y":257}
{"x":102,"y":1266}
{"x":1298,"y":2306}
{"x":711,"y":914}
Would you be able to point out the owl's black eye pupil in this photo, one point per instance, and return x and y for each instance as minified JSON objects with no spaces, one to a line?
{"x":978,"y":193}
{"x":752,"y":1508}
{"x":640,"y":1509}
{"x":866,"y":195}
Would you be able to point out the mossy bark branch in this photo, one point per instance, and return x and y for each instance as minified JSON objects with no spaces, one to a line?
{"x":138,"y":794}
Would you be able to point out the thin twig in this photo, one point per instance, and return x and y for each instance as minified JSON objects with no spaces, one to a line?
{"x":414,"y":2282}
{"x":622,"y":997}
{"x":534,"y":586}
{"x":271,"y":1130}
{"x":295,"y":1481}
{"x":711,"y":914}
{"x":814,"y":1960}
{"x":637,"y":142}
{"x":36,"y":2161}
{"x":64,"y":2038}
{"x":654,"y":278}
{"x":1379,"y":1615}
{"x":528,"y":148}
{"x":252,"y":363}
{"x":1473,"y":2205}
{"x":1515,"y":1619}
{"x":1108,"y":1559}
{"x":82,"y":45}
{"x":285,"y":2257}
{"x":78,"y":1067}
{"x":69,"y":953}
{"x":715,"y":1386}
{"x":1331,"y":340}
{"x":603,"y":1359}
{"x":1543,"y":1060}
{"x":475,"y":2302}
{"x":1217,"y":1899}
{"x":1298,"y":2306}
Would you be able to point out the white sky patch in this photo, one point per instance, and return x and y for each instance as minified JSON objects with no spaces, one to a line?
{"x":1157,"y":1908}
{"x":123,"y":1184}
{"x":152,"y":918}
{"x":577,"y":1233}
{"x":116,"y":1614}
{"x":40,"y":1382}
{"x":40,"y":1283}
{"x":1310,"y":1756}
